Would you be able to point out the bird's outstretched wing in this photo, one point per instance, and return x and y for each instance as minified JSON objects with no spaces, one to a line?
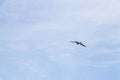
{"x":83,"y":44}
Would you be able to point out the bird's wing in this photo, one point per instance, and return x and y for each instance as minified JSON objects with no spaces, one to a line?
{"x":83,"y":45}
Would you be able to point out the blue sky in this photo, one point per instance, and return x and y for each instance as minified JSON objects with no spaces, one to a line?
{"x":35,"y":35}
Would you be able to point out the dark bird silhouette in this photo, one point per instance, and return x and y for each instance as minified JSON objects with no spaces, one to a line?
{"x":78,"y":43}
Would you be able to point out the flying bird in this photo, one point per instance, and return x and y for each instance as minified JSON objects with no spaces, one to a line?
{"x":78,"y":43}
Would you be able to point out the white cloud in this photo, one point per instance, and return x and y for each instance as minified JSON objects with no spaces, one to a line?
{"x":93,"y":12}
{"x":46,"y":27}
{"x":31,"y":68}
{"x":59,"y":21}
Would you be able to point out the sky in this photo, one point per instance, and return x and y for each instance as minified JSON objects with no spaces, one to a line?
{"x":35,"y":35}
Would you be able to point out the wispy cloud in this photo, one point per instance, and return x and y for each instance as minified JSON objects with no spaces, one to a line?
{"x":40,"y":31}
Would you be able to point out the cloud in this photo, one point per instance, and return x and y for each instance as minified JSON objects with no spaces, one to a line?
{"x":41,"y":30}
{"x":93,"y":12}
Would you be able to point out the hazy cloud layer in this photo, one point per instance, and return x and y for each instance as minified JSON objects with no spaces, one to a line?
{"x":35,"y":39}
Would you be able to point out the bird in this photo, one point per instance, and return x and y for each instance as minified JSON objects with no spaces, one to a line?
{"x":78,"y":43}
